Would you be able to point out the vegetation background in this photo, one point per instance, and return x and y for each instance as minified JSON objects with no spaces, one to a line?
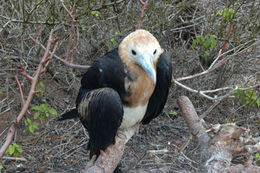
{"x":51,"y":146}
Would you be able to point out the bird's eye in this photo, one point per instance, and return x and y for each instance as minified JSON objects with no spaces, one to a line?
{"x":133,"y":52}
{"x":155,"y":51}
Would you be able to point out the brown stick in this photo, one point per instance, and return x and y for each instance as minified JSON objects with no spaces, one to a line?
{"x":34,"y":80}
{"x":39,"y":32}
{"x":144,"y":5}
{"x":20,"y":90}
{"x":227,"y":38}
{"x":25,"y":73}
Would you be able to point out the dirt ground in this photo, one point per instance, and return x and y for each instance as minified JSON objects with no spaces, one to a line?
{"x":165,"y":145}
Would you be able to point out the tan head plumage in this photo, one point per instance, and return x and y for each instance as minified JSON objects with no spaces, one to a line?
{"x":141,"y":48}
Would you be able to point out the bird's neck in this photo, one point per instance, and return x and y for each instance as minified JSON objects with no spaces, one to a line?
{"x":141,"y":88}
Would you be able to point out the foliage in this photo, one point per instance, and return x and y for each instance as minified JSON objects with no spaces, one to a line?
{"x":40,"y":89}
{"x":95,"y":13}
{"x":0,"y":91}
{"x":173,"y":113}
{"x":43,"y":111}
{"x":1,"y":167}
{"x":257,"y":156}
{"x":248,"y":97}
{"x":206,"y":43}
{"x":113,"y":40}
{"x":31,"y":125}
{"x":227,"y":14}
{"x":14,"y":150}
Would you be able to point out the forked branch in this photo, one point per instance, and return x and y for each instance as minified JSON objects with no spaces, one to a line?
{"x":41,"y":68}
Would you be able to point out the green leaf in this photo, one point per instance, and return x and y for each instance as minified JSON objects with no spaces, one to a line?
{"x":18,"y":148}
{"x":28,"y":122}
{"x":114,"y":42}
{"x":44,"y":107}
{"x":35,"y":125}
{"x":36,"y":115}
{"x":95,"y":13}
{"x":31,"y":125}
{"x":258,"y":103}
{"x":227,"y":14}
{"x":257,"y":156}
{"x":31,"y":129}
{"x":37,"y":108}
{"x":173,"y":113}
{"x":0,"y":91}
{"x":41,"y":84}
{"x":1,"y":167}
{"x":11,"y":149}
{"x":53,"y":111}
{"x":237,"y":94}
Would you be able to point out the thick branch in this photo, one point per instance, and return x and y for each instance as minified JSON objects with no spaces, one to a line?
{"x":192,"y":120}
{"x":109,"y":159}
{"x":216,"y":153}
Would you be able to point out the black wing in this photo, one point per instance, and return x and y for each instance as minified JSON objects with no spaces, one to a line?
{"x":159,"y":96}
{"x":98,"y":103}
{"x":101,"y":113}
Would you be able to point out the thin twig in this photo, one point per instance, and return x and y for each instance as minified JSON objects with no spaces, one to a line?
{"x":15,"y":158}
{"x":25,"y":73}
{"x":76,"y":66}
{"x":20,"y":89}
{"x":227,"y":38}
{"x":215,"y":65}
{"x":39,"y":33}
{"x":193,"y":90}
{"x":144,"y":4}
{"x":219,"y":99}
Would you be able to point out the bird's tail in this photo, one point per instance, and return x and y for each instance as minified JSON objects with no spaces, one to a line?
{"x":69,"y":115}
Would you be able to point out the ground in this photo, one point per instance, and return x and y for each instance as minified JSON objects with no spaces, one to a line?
{"x":164,"y":145}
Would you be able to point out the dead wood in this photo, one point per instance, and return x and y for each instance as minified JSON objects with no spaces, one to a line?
{"x":109,"y":159}
{"x":217,"y":152}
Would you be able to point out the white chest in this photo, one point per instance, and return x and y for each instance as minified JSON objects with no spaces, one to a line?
{"x":132,"y":116}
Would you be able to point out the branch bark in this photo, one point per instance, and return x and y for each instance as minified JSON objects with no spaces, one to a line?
{"x":216,"y":153}
{"x":109,"y":159}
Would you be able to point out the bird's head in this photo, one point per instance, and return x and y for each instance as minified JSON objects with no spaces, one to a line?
{"x":141,"y":48}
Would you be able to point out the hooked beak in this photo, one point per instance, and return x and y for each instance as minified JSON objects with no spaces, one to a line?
{"x":146,"y":62}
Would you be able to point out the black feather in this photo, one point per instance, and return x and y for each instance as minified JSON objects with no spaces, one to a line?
{"x":160,"y":94}
{"x":69,"y":115}
{"x":101,"y":113}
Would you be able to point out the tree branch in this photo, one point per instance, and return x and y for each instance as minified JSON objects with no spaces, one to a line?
{"x":109,"y":159}
{"x":20,"y":90}
{"x":34,"y":80}
{"x":216,"y":153}
{"x":144,"y":5}
{"x":67,"y":63}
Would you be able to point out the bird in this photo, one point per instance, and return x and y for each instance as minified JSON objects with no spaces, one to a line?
{"x":129,"y":85}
